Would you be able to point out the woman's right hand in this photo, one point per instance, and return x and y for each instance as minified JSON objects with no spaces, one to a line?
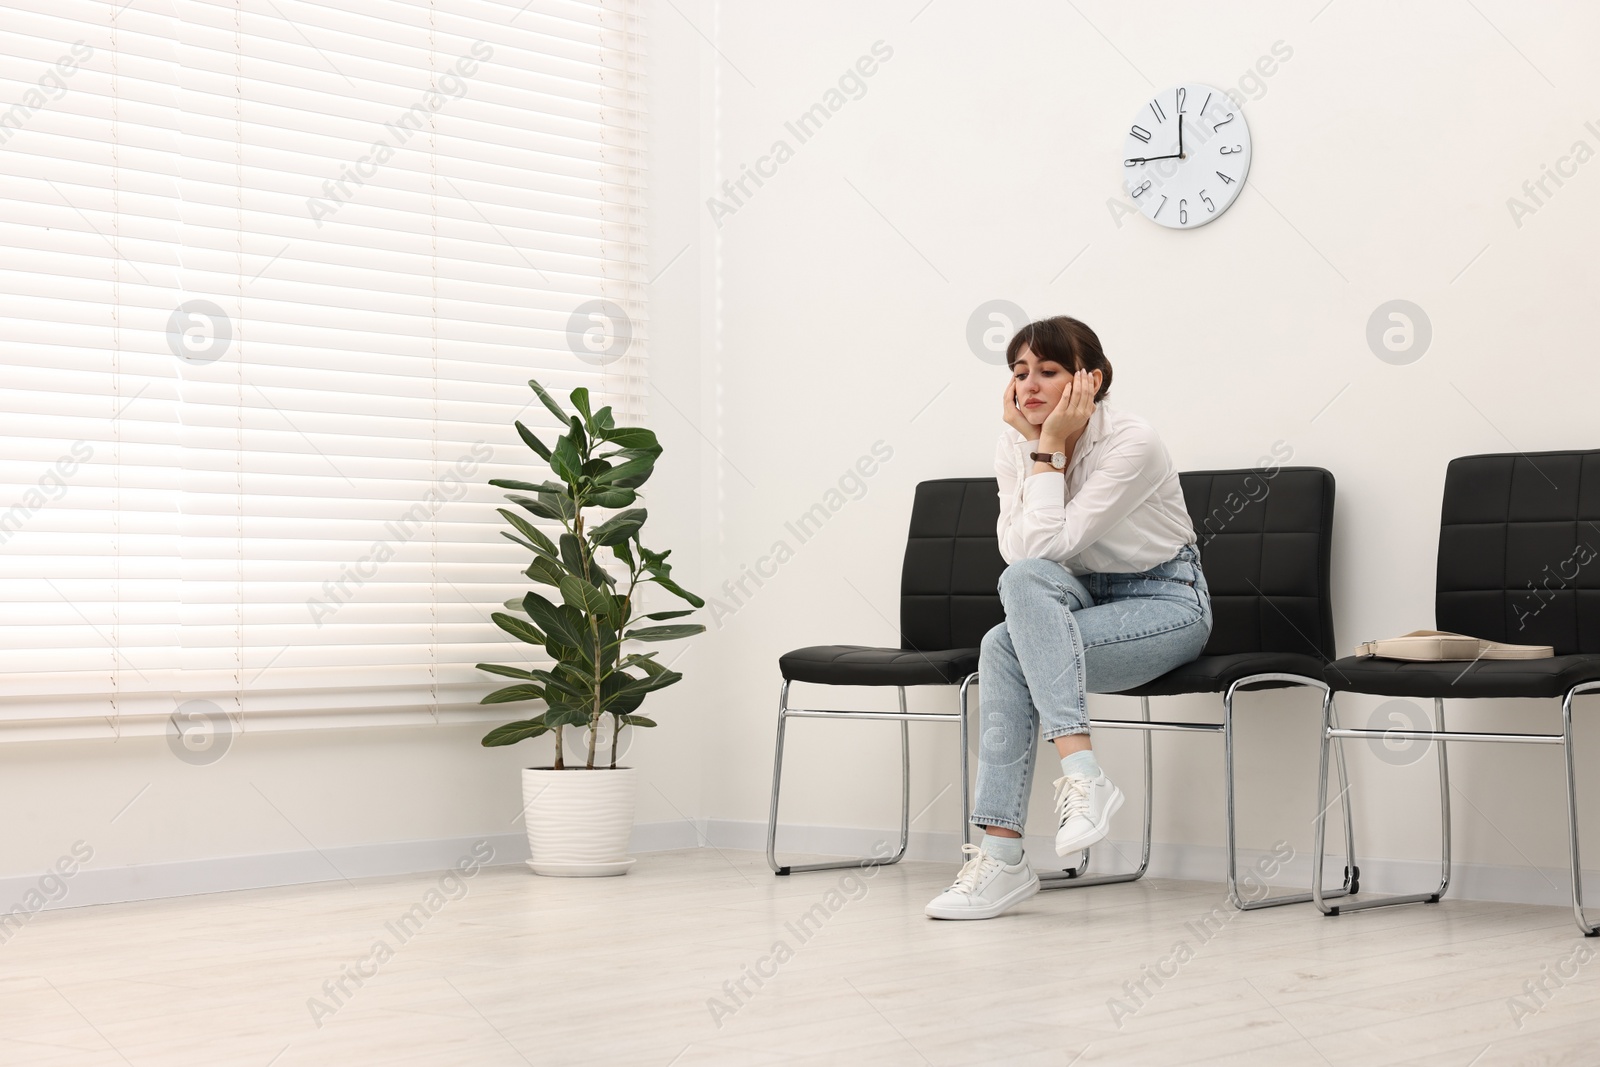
{"x":1013,"y":414}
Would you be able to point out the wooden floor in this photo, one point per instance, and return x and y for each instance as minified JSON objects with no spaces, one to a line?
{"x":511,"y":968}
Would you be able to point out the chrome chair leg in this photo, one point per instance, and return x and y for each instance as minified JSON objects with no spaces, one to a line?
{"x":905,"y":794}
{"x":1332,"y":735}
{"x":966,"y":778}
{"x":1589,"y":929}
{"x":1076,"y":877}
{"x":1352,"y":873}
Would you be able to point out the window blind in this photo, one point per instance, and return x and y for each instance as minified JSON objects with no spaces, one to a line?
{"x":308,"y":258}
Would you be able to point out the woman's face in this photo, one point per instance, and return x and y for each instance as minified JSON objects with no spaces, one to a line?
{"x":1039,"y":384}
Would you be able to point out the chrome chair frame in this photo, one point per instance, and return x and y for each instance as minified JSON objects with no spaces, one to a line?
{"x":1075,"y":877}
{"x":1332,"y":733}
{"x":904,"y":718}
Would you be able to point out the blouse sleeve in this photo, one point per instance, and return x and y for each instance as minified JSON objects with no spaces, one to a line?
{"x":1005,"y":473}
{"x":1043,"y":525}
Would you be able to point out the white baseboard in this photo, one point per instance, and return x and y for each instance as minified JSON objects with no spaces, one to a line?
{"x":1206,"y":863}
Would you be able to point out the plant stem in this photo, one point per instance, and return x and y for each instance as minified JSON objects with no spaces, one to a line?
{"x":616,"y":729}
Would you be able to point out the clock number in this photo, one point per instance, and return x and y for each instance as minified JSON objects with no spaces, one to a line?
{"x":1203,"y":106}
{"x":1141,"y":133}
{"x":1223,"y":123}
{"x":1183,"y":211}
{"x":1210,"y":207}
{"x":1140,"y":190}
{"x":1226,"y":151}
{"x":1161,"y":116}
{"x":1225,"y":179}
{"x":1182,"y":92}
{"x":1159,"y":206}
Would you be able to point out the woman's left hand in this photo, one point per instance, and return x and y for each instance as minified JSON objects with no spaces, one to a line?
{"x":1071,"y":414}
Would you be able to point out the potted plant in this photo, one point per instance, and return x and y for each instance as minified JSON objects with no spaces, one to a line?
{"x":579,"y":817}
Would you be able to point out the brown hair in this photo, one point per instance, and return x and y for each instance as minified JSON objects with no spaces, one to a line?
{"x":1065,"y":341}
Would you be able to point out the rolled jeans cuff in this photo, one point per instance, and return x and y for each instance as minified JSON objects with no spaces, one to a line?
{"x":1004,"y":824}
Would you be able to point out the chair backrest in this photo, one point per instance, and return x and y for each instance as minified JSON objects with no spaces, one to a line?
{"x":1265,"y":543}
{"x":949,"y":582}
{"x":1266,"y":546}
{"x":1519,"y":549}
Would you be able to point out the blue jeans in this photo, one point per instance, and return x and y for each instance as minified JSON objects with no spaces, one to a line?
{"x":1067,"y":635}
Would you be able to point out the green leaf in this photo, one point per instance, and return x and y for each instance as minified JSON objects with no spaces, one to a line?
{"x":611,"y":497}
{"x":565,"y":461}
{"x":580,"y":440}
{"x":509,"y":536}
{"x":631,"y":694}
{"x":664,"y":633}
{"x":638,"y":720}
{"x":514,"y":692}
{"x":620,"y":527}
{"x":563,"y":691}
{"x":629,"y":475}
{"x":512,"y":732}
{"x":668,"y":614}
{"x":624,"y":553}
{"x":539,"y":507}
{"x":546,"y":571}
{"x":673,"y":587}
{"x":513,"y":605}
{"x":565,"y":715}
{"x":561,"y":503}
{"x":527,"y":487}
{"x":517,"y":628}
{"x":549,"y":401}
{"x":562,"y":623}
{"x":603,"y":422}
{"x":572,"y":554}
{"x":533,"y":442}
{"x":633,"y":437}
{"x":584,"y":597}
{"x":509,"y":672}
{"x":644,"y":660}
{"x":541,"y":542}
{"x":580,"y":400}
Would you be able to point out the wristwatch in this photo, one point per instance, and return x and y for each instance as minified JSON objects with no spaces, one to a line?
{"x":1058,"y":460}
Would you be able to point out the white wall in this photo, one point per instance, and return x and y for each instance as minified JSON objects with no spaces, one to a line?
{"x":978,"y":164}
{"x":829,"y":312}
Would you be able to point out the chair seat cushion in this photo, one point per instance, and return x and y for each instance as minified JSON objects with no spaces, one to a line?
{"x":865,"y":665}
{"x":1213,"y":674}
{"x":1550,"y":677}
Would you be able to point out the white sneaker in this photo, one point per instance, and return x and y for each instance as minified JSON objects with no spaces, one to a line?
{"x":984,"y":888}
{"x":1084,"y":807}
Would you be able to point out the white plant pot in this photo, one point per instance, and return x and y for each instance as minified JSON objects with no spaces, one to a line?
{"x":579,"y":821}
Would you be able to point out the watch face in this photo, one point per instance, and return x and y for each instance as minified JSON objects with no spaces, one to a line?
{"x":1185,"y":155}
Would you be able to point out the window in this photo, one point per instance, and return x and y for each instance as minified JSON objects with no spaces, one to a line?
{"x":283,"y":272}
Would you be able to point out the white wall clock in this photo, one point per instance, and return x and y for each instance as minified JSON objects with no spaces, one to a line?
{"x":1186,"y":156}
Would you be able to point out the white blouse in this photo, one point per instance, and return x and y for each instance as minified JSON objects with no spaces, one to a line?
{"x":1119,"y":508}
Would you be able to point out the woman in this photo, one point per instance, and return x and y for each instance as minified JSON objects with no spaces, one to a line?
{"x":1102,"y":592}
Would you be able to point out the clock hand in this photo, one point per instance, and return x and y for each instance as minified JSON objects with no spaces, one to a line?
{"x":1152,"y":159}
{"x":1180,"y":135}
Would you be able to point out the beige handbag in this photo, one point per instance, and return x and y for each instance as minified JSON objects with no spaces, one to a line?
{"x":1442,"y":645}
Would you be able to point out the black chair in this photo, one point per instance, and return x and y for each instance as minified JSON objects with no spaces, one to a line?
{"x":1265,"y":540}
{"x":1265,"y":548}
{"x":1515,"y":537}
{"x":948,"y":601}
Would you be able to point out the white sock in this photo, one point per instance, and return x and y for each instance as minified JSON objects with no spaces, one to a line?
{"x":1081,"y":763}
{"x":1008,"y":850}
